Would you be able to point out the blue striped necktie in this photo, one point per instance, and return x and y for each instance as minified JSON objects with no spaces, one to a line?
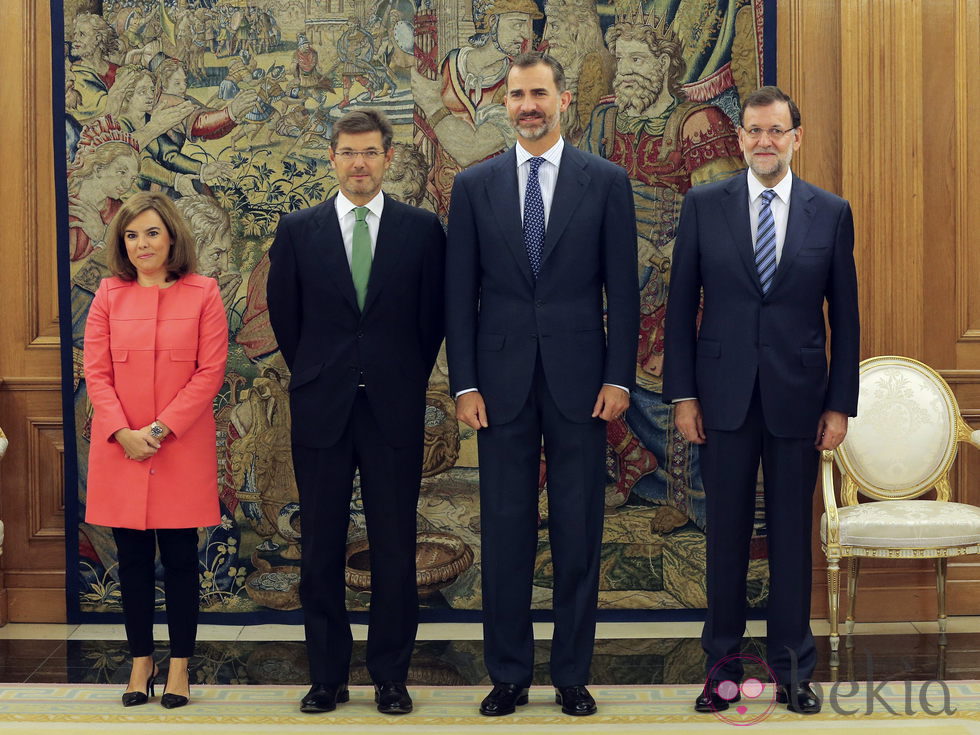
{"x":765,"y":242}
{"x":534,"y":216}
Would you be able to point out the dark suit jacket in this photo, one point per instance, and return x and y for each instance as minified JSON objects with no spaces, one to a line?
{"x":779,"y":336}
{"x":329,"y":345}
{"x":499,"y":317}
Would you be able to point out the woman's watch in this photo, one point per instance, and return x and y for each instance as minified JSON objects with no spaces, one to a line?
{"x":156,"y":430}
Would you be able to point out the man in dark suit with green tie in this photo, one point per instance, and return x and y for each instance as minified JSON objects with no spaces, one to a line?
{"x":356,"y":302}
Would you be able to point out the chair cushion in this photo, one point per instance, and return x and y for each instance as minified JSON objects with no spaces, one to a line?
{"x":907,"y":524}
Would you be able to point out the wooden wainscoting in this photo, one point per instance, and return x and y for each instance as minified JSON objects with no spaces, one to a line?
{"x":32,"y":583}
{"x":895,"y":83}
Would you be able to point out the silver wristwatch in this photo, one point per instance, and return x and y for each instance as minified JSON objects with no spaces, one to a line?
{"x":156,"y":430}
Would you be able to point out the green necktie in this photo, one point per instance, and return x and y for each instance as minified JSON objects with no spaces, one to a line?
{"x":360,"y":259}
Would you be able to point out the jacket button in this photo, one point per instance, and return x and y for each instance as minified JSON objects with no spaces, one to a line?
{"x":360,"y":335}
{"x":539,"y":303}
{"x":153,"y":472}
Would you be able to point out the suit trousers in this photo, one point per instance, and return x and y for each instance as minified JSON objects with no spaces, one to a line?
{"x":510,"y":462}
{"x":729,"y":468}
{"x":137,"y":582}
{"x":390,"y":480}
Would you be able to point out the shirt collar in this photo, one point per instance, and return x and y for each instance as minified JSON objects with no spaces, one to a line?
{"x":345,"y":205}
{"x":782,"y":189}
{"x":552,"y":155}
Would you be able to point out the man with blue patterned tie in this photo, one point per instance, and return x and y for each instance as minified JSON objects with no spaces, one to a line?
{"x":537,"y":238}
{"x":768,"y":249}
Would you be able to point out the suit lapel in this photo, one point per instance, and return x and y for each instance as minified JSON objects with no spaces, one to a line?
{"x":387,"y":250}
{"x":573,"y":182}
{"x":504,"y":198}
{"x":330,"y":242}
{"x":735,"y":204}
{"x":801,"y":210}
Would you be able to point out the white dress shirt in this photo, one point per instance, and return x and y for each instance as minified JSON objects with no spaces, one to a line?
{"x":345,"y":214}
{"x":779,"y":207}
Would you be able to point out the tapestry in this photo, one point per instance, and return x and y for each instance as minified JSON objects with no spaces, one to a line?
{"x":228,"y":107}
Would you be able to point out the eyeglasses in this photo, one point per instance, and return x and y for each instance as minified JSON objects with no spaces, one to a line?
{"x":775,"y":134}
{"x":370,"y":155}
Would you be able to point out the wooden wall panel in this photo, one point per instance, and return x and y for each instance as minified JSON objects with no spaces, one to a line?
{"x":808,"y":67}
{"x":899,"y":77}
{"x":32,"y":582}
{"x":881,"y":126}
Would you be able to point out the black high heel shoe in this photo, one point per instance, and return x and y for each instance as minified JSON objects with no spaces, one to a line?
{"x":172,"y":701}
{"x":132,"y":699}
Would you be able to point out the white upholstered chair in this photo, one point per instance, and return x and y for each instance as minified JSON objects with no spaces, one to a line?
{"x":901,"y":445}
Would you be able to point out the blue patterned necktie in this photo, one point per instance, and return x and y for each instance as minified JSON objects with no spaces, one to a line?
{"x":765,"y":242}
{"x":534,"y":217}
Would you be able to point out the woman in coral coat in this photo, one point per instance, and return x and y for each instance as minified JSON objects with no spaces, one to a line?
{"x":156,"y":341}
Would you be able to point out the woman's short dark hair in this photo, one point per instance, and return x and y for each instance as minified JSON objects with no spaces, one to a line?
{"x":765,"y":96}
{"x":363,"y":121}
{"x":183,"y":256}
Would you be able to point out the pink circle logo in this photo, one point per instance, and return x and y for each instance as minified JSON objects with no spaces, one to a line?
{"x":750,"y":702}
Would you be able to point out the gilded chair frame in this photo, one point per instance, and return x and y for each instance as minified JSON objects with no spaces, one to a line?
{"x":853,"y":482}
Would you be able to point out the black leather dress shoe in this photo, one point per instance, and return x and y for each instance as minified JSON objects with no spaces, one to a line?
{"x":709,"y":700}
{"x":503,"y":700}
{"x":324,"y":697}
{"x":575,"y":701}
{"x":802,"y":700}
{"x":392,"y":698}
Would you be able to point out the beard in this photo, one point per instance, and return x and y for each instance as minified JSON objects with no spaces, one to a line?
{"x":512,"y":49}
{"x":778,"y":165}
{"x":640,"y":95}
{"x":82,"y":52}
{"x":569,"y":54}
{"x":546,"y":123}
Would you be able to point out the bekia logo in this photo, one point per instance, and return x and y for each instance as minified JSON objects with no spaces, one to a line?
{"x":752,"y":700}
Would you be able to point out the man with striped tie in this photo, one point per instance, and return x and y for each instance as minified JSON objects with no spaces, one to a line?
{"x":768,"y":249}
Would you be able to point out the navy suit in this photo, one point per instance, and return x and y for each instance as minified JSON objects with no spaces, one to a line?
{"x":538,"y":352}
{"x":332,"y":347}
{"x":758,"y":367}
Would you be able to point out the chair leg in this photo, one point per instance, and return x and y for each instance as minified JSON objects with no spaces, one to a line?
{"x":833,"y":588}
{"x":853,"y":569}
{"x":941,"y":563}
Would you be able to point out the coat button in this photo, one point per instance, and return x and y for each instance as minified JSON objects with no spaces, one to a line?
{"x":153,"y":472}
{"x":539,"y":303}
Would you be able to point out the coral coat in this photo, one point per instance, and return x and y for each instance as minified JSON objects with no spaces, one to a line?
{"x":151,"y":354}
